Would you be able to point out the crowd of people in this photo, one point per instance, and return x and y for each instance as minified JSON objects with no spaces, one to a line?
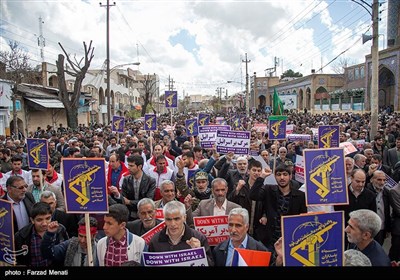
{"x":165,"y":169}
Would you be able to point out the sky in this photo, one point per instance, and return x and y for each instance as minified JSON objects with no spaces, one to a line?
{"x":199,"y":44}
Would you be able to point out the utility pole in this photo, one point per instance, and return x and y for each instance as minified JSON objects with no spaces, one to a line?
{"x":247,"y":87}
{"x":15,"y":114}
{"x":219,"y":97}
{"x":108,"y":60}
{"x":171,"y":88}
{"x":375,"y":61}
{"x":374,"y":90}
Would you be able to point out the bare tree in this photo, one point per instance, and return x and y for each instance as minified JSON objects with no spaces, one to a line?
{"x":341,"y":64}
{"x":78,"y":70}
{"x":149,"y":86}
{"x":55,"y":115}
{"x":17,"y":69}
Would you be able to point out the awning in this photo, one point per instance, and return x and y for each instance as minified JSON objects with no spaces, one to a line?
{"x":47,"y":103}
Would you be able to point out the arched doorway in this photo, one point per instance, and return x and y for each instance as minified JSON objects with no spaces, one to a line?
{"x":386,"y":88}
{"x":263,"y":102}
{"x":308,"y":99}
{"x":20,"y":125}
{"x":301,"y":93}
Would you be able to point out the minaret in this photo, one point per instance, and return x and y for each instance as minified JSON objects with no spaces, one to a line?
{"x":41,"y":40}
{"x":393,"y":23}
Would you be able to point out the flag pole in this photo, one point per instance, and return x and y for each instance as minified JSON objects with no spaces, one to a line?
{"x":275,"y":154}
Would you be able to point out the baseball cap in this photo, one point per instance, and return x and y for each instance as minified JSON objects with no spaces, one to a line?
{"x":201,"y":175}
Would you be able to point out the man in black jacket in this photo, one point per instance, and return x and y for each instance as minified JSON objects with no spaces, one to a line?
{"x":147,"y":217}
{"x":31,"y":236}
{"x":279,"y":200}
{"x":136,"y":186}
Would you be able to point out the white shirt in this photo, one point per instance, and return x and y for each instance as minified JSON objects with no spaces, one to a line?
{"x":220,"y":211}
{"x":20,"y":212}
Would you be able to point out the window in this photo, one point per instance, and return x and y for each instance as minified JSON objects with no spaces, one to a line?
{"x":362,"y":72}
{"x":356,"y":73}
{"x":350,"y":74}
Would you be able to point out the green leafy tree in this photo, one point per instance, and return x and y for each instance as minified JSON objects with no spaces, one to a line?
{"x":291,"y":74}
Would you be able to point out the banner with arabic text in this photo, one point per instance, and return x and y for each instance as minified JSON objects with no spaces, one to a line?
{"x":188,"y":257}
{"x":7,"y":253}
{"x":313,"y":239}
{"x":215,"y":228}
{"x":204,"y":119}
{"x":150,"y":122}
{"x":192,"y":127}
{"x":85,"y":185}
{"x":171,"y":99}
{"x":38,"y":153}
{"x":208,"y":134}
{"x":236,"y":123}
{"x":233,"y":141}
{"x":148,"y":235}
{"x":277,"y":127}
{"x":298,"y":137}
{"x":118,"y":124}
{"x":325,"y":176}
{"x":328,"y":136}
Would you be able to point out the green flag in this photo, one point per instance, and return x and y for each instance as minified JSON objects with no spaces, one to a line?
{"x":277,"y":104}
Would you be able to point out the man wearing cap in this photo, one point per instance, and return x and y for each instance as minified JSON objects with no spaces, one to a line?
{"x":198,"y":191}
{"x":73,"y":252}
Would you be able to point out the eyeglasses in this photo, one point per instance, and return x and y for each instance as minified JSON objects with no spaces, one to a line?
{"x":20,"y":188}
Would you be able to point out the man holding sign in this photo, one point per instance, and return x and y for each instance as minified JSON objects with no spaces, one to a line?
{"x":177,"y":235}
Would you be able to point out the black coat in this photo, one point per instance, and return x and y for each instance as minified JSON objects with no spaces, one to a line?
{"x":243,"y":199}
{"x":23,"y":238}
{"x":28,"y":201}
{"x":270,"y":195}
{"x":232,"y":176}
{"x":160,"y":242}
{"x":147,"y":189}
{"x":136,"y":227}
{"x":366,"y":200}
